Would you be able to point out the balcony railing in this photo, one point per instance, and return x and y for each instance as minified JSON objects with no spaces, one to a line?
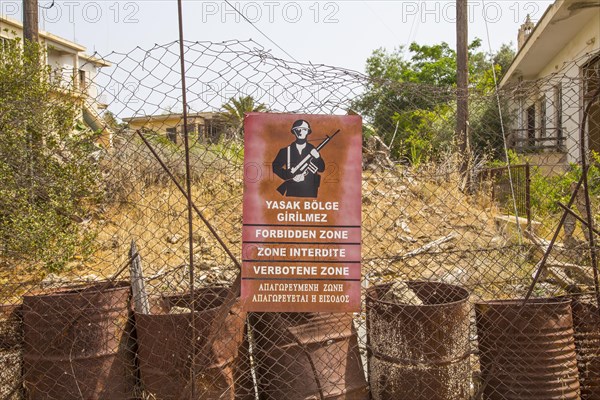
{"x":537,"y":140}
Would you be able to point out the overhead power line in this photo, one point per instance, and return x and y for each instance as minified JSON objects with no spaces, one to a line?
{"x":261,"y":32}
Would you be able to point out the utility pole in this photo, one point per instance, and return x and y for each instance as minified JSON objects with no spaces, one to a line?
{"x":462,"y":78}
{"x":30,"y":20}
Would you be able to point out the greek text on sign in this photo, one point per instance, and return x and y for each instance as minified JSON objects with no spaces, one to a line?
{"x":302,"y":200}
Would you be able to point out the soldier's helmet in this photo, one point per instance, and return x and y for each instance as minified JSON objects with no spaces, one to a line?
{"x":301,"y":124}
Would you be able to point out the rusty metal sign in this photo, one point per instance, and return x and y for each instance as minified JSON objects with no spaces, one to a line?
{"x":302,"y":213}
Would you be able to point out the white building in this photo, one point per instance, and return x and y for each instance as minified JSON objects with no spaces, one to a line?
{"x":72,"y":66}
{"x":551,"y":80}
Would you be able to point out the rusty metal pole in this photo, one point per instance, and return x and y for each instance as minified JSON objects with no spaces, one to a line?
{"x":184,"y":193}
{"x":542,"y":264}
{"x":462,"y":83}
{"x":577,"y":217}
{"x":188,"y":183}
{"x":586,"y":191}
{"x":30,"y":20}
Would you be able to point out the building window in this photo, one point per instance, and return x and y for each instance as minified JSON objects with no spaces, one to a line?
{"x":531,"y":126}
{"x":201,"y":133}
{"x":4,"y":42}
{"x":82,"y":79}
{"x":591,"y":75}
{"x":172,"y":134}
{"x":558,"y":106}
{"x":543,"y":117}
{"x":591,"y":78}
{"x":191,"y":128}
{"x":213,"y":129}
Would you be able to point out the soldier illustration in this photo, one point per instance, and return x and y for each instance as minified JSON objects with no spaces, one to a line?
{"x":300,"y":164}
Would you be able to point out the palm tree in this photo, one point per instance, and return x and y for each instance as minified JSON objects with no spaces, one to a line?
{"x":233,"y":116}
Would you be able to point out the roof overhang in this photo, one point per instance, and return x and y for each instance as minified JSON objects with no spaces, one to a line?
{"x":58,"y":43}
{"x":48,"y":37}
{"x":98,"y":62}
{"x":561,"y":22}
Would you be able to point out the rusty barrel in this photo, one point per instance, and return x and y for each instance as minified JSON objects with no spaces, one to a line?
{"x":419,"y":351}
{"x":302,"y":356}
{"x":11,"y":352}
{"x":586,"y":323}
{"x":527,"y":351}
{"x":170,"y":344}
{"x":77,"y":343}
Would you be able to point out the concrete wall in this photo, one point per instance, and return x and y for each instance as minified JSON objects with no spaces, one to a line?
{"x":587,"y":42}
{"x":561,"y":74}
{"x":63,"y":56}
{"x":585,"y":45}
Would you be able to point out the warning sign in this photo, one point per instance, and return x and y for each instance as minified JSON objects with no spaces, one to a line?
{"x":302,"y":213}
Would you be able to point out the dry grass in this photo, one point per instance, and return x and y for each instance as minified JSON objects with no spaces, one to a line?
{"x":403,"y":210}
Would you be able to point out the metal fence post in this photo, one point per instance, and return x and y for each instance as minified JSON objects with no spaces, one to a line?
{"x":528,"y":194}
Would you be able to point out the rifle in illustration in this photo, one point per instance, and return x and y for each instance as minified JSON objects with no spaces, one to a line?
{"x":306,"y":164}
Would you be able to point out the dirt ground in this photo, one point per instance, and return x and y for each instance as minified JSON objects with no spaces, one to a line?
{"x":403,"y":211}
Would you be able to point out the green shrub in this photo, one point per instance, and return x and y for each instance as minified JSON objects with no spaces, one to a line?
{"x":546,"y":191}
{"x":49,"y":178}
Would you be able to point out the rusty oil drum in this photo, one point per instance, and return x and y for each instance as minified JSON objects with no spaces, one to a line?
{"x":586,"y":323}
{"x":11,"y":352}
{"x":165,"y":349}
{"x":78,"y":345}
{"x":527,"y":351}
{"x":419,"y":351}
{"x":301,"y":356}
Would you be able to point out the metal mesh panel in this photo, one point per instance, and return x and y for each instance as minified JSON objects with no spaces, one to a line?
{"x":135,"y":305}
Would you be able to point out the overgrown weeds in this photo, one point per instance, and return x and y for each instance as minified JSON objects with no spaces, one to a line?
{"x":50,"y":181}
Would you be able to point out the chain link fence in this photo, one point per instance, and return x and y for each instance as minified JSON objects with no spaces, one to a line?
{"x":145,"y":307}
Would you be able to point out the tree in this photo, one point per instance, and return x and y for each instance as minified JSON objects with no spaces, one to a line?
{"x":49,"y":179}
{"x":233,"y":117}
{"x":504,"y":57}
{"x":490,"y":110}
{"x":407,"y":98}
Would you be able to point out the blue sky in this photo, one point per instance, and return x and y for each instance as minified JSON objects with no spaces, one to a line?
{"x":340,"y":33}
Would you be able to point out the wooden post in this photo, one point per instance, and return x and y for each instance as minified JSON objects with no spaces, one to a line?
{"x":30,"y":20}
{"x":138,"y":287}
{"x":462,"y":80}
